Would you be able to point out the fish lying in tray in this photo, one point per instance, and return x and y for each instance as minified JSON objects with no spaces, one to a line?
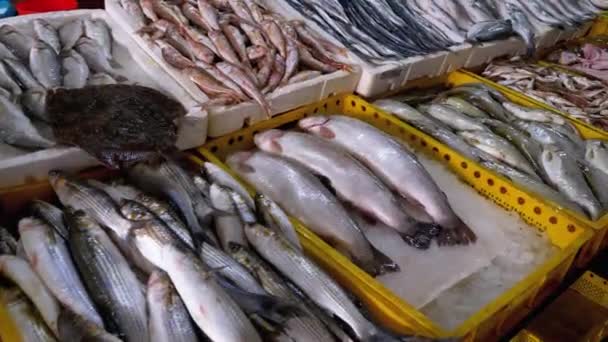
{"x":536,"y":149}
{"x":118,"y":262}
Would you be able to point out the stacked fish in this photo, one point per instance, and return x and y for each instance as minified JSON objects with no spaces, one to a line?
{"x":579,"y":96}
{"x":385,"y":30}
{"x":118,"y":263}
{"x":234,"y":50}
{"x":76,"y":54}
{"x":534,"y":148}
{"x":361,"y":173}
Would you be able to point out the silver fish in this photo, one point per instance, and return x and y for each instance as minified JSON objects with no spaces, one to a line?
{"x":94,"y":55}
{"x":18,"y":43}
{"x":23,"y":74}
{"x":453,"y":118}
{"x":48,"y":34}
{"x":533,"y":114}
{"x":21,"y":274}
{"x":228,"y":225}
{"x":217,"y":175}
{"x":276,"y":219}
{"x":17,"y":129}
{"x":596,"y":154}
{"x":113,"y":286}
{"x":134,"y":11}
{"x":99,"y":32}
{"x":304,"y":197}
{"x":73,"y":327}
{"x":34,"y":102}
{"x":464,"y":107}
{"x":26,"y":320}
{"x":7,"y":82}
{"x":69,"y":33}
{"x":49,"y":256}
{"x":5,"y":52}
{"x":169,"y":319}
{"x":75,"y":70}
{"x":45,"y":65}
{"x":565,"y":175}
{"x":51,"y":215}
{"x":392,"y":163}
{"x":317,"y":285}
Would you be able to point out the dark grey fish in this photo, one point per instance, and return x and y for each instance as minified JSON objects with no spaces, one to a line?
{"x":490,"y":30}
{"x":52,"y":215}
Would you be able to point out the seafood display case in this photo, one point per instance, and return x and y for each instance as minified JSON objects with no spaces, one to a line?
{"x":136,"y":66}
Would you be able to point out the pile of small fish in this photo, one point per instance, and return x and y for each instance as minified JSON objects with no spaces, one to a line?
{"x":591,"y":59}
{"x":233,"y":50}
{"x":77,"y":54}
{"x":361,"y":173}
{"x":534,"y":148}
{"x":380,"y":31}
{"x":583,"y":98}
{"x":117,"y":263}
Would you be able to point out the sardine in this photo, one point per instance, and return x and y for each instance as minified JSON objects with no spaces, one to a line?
{"x":169,"y":319}
{"x":247,"y":84}
{"x":276,"y":219}
{"x":228,"y":225}
{"x":18,"y":43}
{"x":565,"y":175}
{"x":113,"y":286}
{"x":97,"y":30}
{"x":48,"y":34}
{"x":45,"y":65}
{"x":304,"y":197}
{"x":69,"y":33}
{"x":49,"y":256}
{"x":17,"y":129}
{"x":392,"y":163}
{"x":75,"y":70}
{"x":23,"y":315}
{"x":21,"y":274}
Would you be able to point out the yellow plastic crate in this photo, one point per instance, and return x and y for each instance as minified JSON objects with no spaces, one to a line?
{"x":495,"y":318}
{"x":600,"y":238}
{"x":600,"y":26}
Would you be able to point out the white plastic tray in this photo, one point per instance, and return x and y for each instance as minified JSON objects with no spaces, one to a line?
{"x":137,"y":67}
{"x":227,"y":119}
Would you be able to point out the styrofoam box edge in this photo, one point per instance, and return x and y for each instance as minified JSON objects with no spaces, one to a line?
{"x":192,"y":129}
{"x":227,"y":119}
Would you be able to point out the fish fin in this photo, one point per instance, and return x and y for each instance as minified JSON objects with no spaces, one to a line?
{"x":422,"y":235}
{"x":382,"y":264}
{"x":461,"y":234}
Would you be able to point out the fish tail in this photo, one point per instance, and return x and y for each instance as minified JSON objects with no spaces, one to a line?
{"x":381,"y":264}
{"x":423,"y":234}
{"x":459,"y":234}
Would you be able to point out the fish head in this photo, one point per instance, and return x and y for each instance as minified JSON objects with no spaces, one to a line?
{"x":79,"y":220}
{"x":239,"y":160}
{"x":159,"y":285}
{"x":268,"y":141}
{"x":220,"y":198}
{"x":317,"y":125}
{"x":63,"y":183}
{"x":134,"y":211}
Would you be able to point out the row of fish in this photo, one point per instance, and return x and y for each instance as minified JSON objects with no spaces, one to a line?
{"x":536,"y":149}
{"x":342,"y":173}
{"x":74,"y":55}
{"x":575,"y":94}
{"x":388,"y":30}
{"x":233,"y":50}
{"x":117,"y":263}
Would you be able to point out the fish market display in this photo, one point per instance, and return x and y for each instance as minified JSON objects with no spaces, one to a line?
{"x":80,"y":277}
{"x":536,"y":149}
{"x":580,"y":96}
{"x":380,"y":31}
{"x":234,"y":51}
{"x":591,"y":58}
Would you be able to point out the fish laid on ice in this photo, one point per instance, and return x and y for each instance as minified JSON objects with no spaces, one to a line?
{"x":18,"y":43}
{"x":17,"y":129}
{"x":69,"y":33}
{"x":75,"y":69}
{"x":228,"y":225}
{"x":45,"y":65}
{"x":48,"y":34}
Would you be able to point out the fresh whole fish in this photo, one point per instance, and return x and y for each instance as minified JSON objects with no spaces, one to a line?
{"x":94,"y":55}
{"x":135,"y":12}
{"x":75,"y":69}
{"x":209,"y":305}
{"x":453,"y":118}
{"x":113,"y":286}
{"x":464,"y":107}
{"x":69,"y":33}
{"x":7,"y":82}
{"x":17,"y":129}
{"x":529,"y":114}
{"x":49,"y":256}
{"x":276,"y":219}
{"x":26,"y":320}
{"x":5,"y":52}
{"x":305,"y":198}
{"x":21,"y":274}
{"x":228,"y":225}
{"x":48,"y":34}
{"x":51,"y":215}
{"x":45,"y":65}
{"x":352,"y":182}
{"x":97,"y":30}
{"x":247,"y":84}
{"x":322,"y":289}
{"x":483,"y":99}
{"x":23,"y":74}
{"x":169,"y":319}
{"x":246,"y":214}
{"x":392,"y":163}
{"x":596,"y":154}
{"x":489,"y":30}
{"x":565,"y":175}
{"x":521,"y":26}
{"x":18,"y":43}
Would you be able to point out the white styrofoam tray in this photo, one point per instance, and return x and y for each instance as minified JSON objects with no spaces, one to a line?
{"x":227,"y":119}
{"x":137,"y":66}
